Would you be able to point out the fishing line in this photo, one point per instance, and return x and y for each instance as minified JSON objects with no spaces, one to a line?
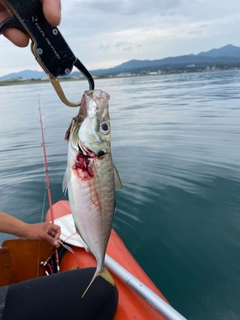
{"x":44,"y":203}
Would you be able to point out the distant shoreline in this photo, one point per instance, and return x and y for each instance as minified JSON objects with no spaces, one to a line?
{"x":172,"y":72}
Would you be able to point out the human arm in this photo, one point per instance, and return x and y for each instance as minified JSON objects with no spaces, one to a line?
{"x":38,"y":231}
{"x":51,"y":10}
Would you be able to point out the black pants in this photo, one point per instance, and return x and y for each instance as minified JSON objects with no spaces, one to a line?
{"x":59,"y":297}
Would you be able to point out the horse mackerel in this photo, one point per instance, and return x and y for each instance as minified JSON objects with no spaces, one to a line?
{"x":91,"y":177}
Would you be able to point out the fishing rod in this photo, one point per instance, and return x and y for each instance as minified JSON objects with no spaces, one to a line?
{"x":47,"y":179}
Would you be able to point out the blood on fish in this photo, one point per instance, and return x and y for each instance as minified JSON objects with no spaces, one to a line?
{"x":83,"y":163}
{"x":84,"y":172}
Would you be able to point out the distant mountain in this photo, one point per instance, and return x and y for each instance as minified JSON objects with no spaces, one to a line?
{"x":26,"y":74}
{"x":227,"y":51}
{"x":180,"y":62}
{"x":226,"y":56}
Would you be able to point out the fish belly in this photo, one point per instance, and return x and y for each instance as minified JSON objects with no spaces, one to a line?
{"x":92,"y":203}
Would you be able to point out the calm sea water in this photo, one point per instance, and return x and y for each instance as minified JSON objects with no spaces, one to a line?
{"x":176,"y":144}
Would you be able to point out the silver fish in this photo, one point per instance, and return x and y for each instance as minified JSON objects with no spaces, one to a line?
{"x":91,"y":177}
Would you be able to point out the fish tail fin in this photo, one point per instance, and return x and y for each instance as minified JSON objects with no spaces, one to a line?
{"x":105,"y":274}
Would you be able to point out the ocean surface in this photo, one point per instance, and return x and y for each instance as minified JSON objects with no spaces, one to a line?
{"x":176,"y":144}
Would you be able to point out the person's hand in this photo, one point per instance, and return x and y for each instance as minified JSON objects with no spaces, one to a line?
{"x":42,"y":231}
{"x":51,"y":10}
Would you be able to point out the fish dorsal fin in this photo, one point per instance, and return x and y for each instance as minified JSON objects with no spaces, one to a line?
{"x":117,"y":179}
{"x":66,"y":180}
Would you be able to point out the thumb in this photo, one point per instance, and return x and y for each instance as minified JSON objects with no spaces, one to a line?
{"x":51,"y":240}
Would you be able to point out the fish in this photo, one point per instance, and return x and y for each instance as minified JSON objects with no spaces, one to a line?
{"x":91,"y":177}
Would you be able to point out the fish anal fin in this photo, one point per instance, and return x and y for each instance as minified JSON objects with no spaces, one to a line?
{"x":105,"y":274}
{"x":117,"y":179}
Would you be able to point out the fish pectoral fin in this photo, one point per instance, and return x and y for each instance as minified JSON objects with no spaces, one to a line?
{"x":105,"y":274}
{"x":117,"y":179}
{"x":67,"y":134}
{"x":65,"y":180}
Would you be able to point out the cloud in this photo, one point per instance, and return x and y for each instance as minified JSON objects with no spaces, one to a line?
{"x":105,"y":47}
{"x":129,"y":7}
{"x":106,"y":33}
{"x":126,"y":46}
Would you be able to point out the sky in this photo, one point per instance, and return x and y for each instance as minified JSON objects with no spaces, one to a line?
{"x":106,"y":33}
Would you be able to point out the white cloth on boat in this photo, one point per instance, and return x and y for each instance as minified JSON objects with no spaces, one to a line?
{"x":68,"y":231}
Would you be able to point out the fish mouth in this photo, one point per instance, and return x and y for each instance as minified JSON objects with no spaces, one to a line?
{"x":87,"y":153}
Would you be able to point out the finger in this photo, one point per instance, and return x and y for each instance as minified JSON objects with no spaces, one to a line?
{"x":58,"y":233}
{"x":4,"y":13}
{"x":16,"y":36}
{"x":52,"y":11}
{"x":55,"y":231}
{"x":52,"y":240}
{"x":2,"y":7}
{"x":13,"y":34}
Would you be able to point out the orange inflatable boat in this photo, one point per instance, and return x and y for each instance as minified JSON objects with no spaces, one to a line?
{"x":139,"y":298}
{"x":131,"y":304}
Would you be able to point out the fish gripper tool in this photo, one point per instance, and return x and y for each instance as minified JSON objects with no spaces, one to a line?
{"x":48,"y":45}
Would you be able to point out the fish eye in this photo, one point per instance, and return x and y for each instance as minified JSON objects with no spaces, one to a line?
{"x":105,"y":127}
